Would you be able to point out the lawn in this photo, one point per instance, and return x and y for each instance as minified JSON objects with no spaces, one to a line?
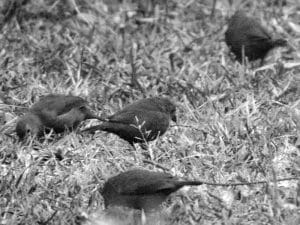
{"x":235,"y":123}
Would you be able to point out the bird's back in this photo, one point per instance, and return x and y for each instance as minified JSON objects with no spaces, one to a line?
{"x":141,"y":181}
{"x":57,"y":104}
{"x":147,"y":104}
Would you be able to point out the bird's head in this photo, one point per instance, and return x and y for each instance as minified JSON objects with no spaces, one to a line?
{"x":169,"y":107}
{"x":29,"y":124}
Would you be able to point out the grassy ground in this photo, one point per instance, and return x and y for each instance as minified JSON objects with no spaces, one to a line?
{"x":236,"y":123}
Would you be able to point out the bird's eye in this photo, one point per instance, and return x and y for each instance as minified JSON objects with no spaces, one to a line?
{"x":82,"y":108}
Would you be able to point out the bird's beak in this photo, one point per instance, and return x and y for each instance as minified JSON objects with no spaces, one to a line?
{"x":90,"y":115}
{"x":94,"y":116}
{"x":174,"y":118}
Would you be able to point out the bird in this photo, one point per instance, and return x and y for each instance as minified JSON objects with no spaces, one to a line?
{"x":55,"y":111}
{"x":141,"y":121}
{"x":245,"y":36}
{"x":141,"y":189}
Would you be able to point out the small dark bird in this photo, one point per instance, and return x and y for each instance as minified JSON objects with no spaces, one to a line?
{"x":141,"y":189}
{"x":246,"y":36}
{"x":141,"y":121}
{"x":57,"y":112}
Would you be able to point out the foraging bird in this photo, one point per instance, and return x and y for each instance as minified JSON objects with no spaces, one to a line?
{"x":141,"y":121}
{"x":246,"y":37}
{"x":141,"y":189}
{"x":57,"y":112}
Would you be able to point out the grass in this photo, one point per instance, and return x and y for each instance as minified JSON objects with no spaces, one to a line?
{"x":235,"y":123}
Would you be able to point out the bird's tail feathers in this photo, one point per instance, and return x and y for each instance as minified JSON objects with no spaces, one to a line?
{"x":90,"y":115}
{"x":93,"y":129}
{"x":105,"y":126}
{"x":101,"y":118}
{"x":191,"y":183}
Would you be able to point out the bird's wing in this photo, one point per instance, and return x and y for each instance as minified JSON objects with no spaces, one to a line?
{"x":148,"y":184}
{"x":145,"y":120}
{"x":155,"y":187}
{"x":255,"y":40}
